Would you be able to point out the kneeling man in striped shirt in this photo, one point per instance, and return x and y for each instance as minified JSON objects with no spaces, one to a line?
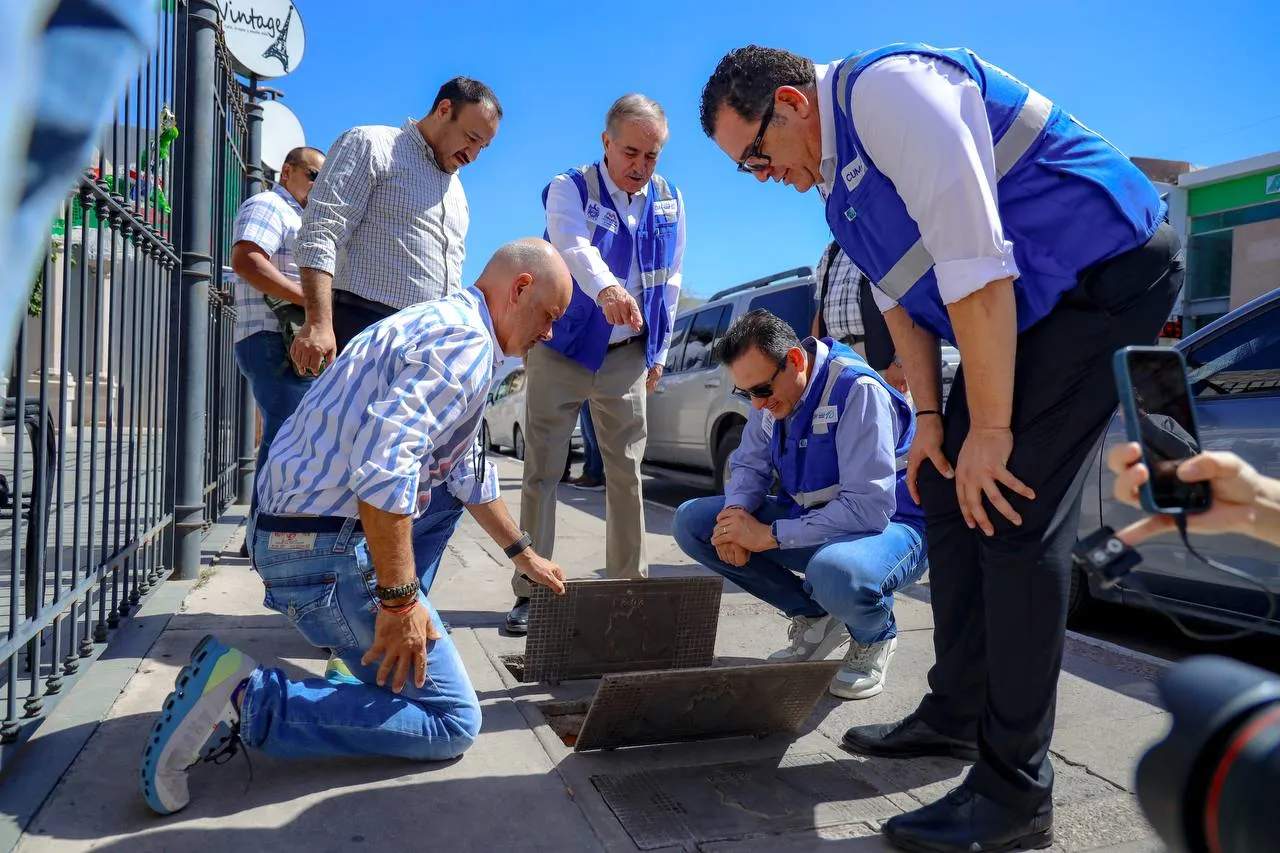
{"x":396,"y":414}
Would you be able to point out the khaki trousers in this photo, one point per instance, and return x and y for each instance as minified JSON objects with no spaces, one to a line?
{"x":555,"y":389}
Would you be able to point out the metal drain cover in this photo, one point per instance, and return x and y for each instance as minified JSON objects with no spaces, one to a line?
{"x":681,"y":806}
{"x":604,"y":626}
{"x":637,"y":708}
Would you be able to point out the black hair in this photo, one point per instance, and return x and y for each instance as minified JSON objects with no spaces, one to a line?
{"x":746,"y":79}
{"x":464,"y":90}
{"x":294,"y":157}
{"x":760,"y":329}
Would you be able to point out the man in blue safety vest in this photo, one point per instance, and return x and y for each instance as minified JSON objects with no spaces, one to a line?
{"x":989,"y":217}
{"x":830,"y":429}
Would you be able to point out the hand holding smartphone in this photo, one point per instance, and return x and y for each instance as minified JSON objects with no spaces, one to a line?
{"x":1158,"y":412}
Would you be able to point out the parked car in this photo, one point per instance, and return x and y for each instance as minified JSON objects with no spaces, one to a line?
{"x":1234,"y":365}
{"x":503,"y":424}
{"x":695,"y":420}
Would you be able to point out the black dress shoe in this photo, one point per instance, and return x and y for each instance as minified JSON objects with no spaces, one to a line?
{"x":966,"y":822}
{"x":518,"y":618}
{"x":910,"y":738}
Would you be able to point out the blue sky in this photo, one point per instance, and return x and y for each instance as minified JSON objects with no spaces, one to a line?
{"x":1172,"y":80}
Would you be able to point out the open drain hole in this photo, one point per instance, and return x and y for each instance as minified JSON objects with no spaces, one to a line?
{"x":514,"y":665}
{"x":566,"y":718}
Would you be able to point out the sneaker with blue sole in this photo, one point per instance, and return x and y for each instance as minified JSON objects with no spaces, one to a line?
{"x":198,"y":719}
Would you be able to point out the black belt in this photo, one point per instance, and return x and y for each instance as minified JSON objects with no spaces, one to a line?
{"x":640,"y":336}
{"x":303,"y":523}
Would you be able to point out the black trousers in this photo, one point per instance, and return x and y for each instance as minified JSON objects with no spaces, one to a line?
{"x":880,"y":348}
{"x":353,"y":314}
{"x":1000,"y":602}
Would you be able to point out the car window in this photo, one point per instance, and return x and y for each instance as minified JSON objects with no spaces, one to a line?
{"x":515,"y":382}
{"x":675,"y":353}
{"x":793,"y":304}
{"x":702,"y":337}
{"x":1244,"y":359}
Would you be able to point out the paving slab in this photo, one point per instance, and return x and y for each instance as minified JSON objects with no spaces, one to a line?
{"x":522,"y":788}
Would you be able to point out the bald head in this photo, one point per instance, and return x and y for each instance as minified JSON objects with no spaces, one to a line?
{"x":527,"y":288}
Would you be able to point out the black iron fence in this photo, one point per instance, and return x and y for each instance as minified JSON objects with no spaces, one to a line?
{"x":121,"y":434}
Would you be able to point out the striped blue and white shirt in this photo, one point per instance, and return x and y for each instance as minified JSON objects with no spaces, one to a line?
{"x":397,"y":413}
{"x":270,"y":220}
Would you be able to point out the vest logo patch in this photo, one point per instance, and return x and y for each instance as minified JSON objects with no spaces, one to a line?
{"x":854,"y":171}
{"x":825,"y":415}
{"x":665,"y":210}
{"x":602,"y":216}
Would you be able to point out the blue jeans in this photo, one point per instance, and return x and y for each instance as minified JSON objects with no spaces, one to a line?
{"x":851,"y":577}
{"x":326,"y":591}
{"x":431,"y":533}
{"x":277,"y":390}
{"x":592,"y":464}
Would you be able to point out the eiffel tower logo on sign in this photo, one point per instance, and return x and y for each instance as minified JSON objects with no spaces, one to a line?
{"x":278,"y":49}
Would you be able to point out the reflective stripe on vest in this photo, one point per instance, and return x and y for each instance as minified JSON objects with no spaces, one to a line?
{"x":591,"y":174}
{"x":1022,"y":133}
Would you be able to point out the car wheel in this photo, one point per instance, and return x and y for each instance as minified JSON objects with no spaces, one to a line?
{"x":729,"y":443}
{"x":518,"y":441}
{"x":1078,"y":597}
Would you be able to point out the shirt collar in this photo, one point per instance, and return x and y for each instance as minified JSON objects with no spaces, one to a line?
{"x":827,"y":118}
{"x":410,"y":127}
{"x":284,"y":193}
{"x":820,"y":353}
{"x":483,"y":307}
{"x":613,"y":188}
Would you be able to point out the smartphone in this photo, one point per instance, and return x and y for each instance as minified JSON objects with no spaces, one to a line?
{"x":1156,"y":404}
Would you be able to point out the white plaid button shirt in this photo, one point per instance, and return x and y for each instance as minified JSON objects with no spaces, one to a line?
{"x":385,"y":220}
{"x":270,"y":220}
{"x":843,"y":308}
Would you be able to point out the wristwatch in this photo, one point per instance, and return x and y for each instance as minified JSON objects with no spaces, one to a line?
{"x":517,"y":547}
{"x":773,"y":531}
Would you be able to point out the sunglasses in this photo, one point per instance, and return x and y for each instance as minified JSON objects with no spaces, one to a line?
{"x":764,"y":390}
{"x":313,"y":173}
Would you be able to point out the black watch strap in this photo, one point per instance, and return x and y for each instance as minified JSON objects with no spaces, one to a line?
{"x":515,"y":548}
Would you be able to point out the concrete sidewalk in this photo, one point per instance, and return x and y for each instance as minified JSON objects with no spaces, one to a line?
{"x":520,"y":788}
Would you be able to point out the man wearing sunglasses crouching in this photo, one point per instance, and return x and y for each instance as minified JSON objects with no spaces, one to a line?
{"x":831,"y":429}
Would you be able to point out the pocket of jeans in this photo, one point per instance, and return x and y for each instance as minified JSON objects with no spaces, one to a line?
{"x":310,"y":602}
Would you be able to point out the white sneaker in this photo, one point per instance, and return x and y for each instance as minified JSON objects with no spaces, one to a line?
{"x":862,"y":675}
{"x":812,"y":638}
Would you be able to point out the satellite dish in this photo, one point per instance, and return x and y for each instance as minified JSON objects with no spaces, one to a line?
{"x":264,"y":37}
{"x":281,"y":133}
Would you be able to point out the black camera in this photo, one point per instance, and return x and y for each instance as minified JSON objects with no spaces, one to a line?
{"x":1213,"y":784}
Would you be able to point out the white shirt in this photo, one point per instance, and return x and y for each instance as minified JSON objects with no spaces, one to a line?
{"x":397,"y":413}
{"x":385,"y":220}
{"x":269,"y":220}
{"x":923,"y":123}
{"x":567,"y":228}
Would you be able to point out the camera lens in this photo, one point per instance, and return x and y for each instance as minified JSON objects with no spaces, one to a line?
{"x":1213,"y":784}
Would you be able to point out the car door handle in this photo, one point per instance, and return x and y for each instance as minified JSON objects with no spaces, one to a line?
{"x":712,"y":383}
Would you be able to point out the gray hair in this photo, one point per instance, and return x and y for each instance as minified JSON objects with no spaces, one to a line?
{"x":633,"y":107}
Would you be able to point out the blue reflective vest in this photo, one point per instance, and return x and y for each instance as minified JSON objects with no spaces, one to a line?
{"x":805,"y":455}
{"x":1068,"y":199}
{"x":582,"y":334}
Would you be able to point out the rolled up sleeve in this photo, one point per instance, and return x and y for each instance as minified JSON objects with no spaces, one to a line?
{"x":473,"y":484}
{"x":924,"y":125}
{"x":567,"y":230}
{"x":338,"y":201}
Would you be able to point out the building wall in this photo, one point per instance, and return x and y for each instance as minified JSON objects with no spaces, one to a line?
{"x":1255,"y":261}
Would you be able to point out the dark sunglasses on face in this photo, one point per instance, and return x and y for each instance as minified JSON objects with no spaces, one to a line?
{"x":764,"y":390}
{"x":312,"y":174}
{"x":755,"y":161}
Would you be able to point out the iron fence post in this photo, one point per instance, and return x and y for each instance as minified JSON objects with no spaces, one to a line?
{"x":253,"y":185}
{"x":202,"y":133}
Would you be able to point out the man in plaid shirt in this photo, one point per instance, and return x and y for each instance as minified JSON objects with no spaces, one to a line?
{"x":262,"y":259}
{"x":847,"y":312}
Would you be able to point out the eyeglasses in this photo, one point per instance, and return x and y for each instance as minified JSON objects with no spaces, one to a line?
{"x":764,"y":390}
{"x":755,"y":161}
{"x":313,"y":173}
